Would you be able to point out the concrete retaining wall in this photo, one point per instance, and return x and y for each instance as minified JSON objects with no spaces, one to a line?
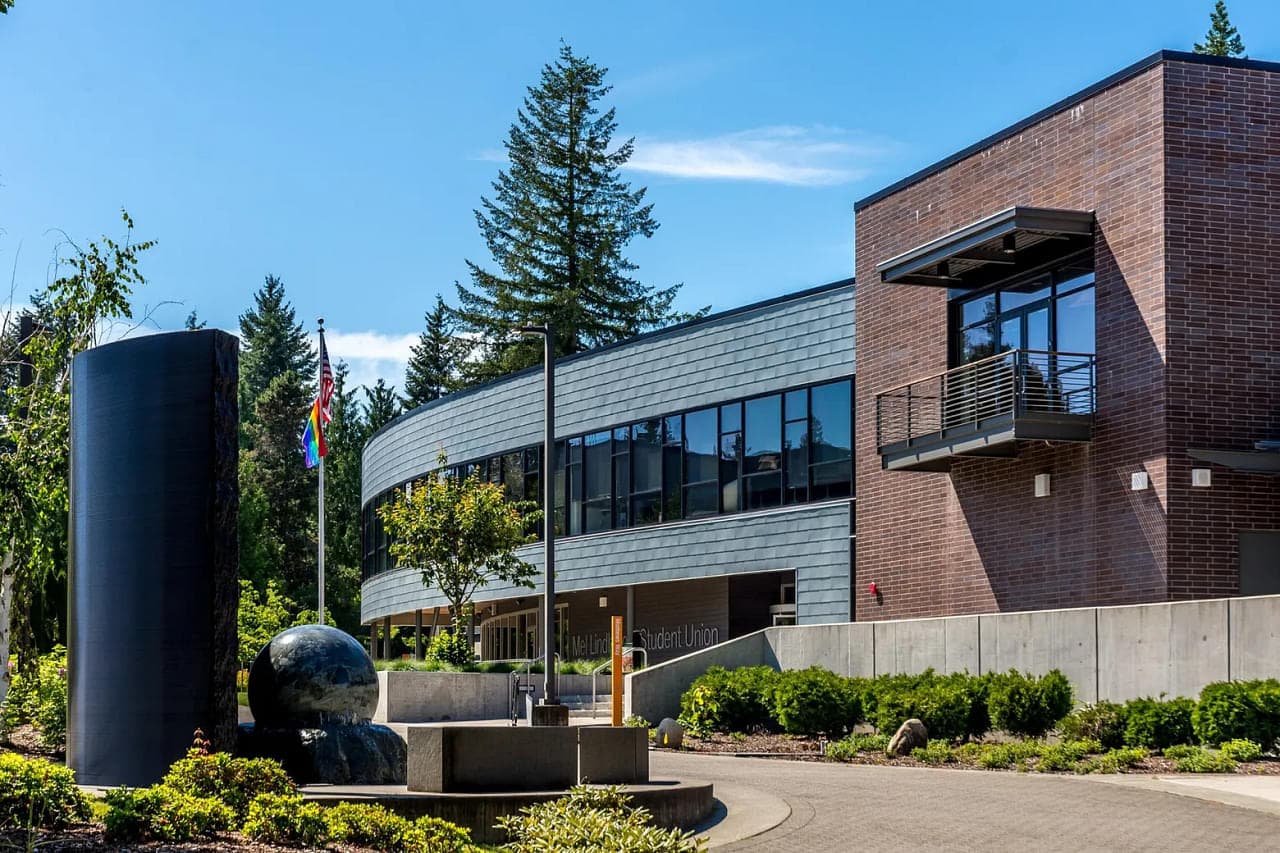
{"x":1114,"y":653}
{"x":406,"y":696}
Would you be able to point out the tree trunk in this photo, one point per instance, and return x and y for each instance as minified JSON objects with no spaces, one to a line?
{"x":6,"y":612}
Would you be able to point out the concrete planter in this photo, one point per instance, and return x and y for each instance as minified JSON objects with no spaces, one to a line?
{"x":432,"y":697}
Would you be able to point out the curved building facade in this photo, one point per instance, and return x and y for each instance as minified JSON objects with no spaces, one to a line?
{"x":704,"y":483}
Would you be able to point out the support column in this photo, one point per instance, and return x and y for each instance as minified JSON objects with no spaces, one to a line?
{"x":417,"y":635}
{"x":386,"y":638}
{"x":629,"y":632}
{"x":373,"y":640}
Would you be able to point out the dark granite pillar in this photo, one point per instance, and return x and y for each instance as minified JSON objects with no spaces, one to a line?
{"x":417,"y":635}
{"x":154,"y":553}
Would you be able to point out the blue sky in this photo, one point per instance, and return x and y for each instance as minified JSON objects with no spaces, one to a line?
{"x":344,"y":147}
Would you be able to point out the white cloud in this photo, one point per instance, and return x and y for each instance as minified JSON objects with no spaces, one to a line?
{"x":370,"y":355}
{"x":799,"y":156}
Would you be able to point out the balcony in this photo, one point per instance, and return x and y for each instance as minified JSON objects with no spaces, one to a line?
{"x":985,"y":408}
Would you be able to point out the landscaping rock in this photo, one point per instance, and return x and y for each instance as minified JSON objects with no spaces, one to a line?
{"x":910,"y":735}
{"x":670,"y":734}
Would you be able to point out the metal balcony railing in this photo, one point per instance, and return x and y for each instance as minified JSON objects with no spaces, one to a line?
{"x":1010,"y":385}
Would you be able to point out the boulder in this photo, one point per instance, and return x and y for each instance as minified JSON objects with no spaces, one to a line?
{"x":910,"y":735}
{"x":670,"y":734}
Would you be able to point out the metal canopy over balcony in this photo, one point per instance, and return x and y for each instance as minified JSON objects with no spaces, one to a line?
{"x":985,"y":408}
{"x":1012,"y":242}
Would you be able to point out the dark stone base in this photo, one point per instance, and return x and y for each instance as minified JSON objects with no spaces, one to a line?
{"x":336,"y":755}
{"x":548,"y":715}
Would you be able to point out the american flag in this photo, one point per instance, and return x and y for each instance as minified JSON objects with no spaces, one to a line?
{"x":326,"y":382}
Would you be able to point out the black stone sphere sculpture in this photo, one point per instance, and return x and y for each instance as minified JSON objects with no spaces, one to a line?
{"x":312,"y":692}
{"x":311,"y":676}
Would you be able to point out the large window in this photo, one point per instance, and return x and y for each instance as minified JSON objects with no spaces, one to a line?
{"x":753,"y":454}
{"x":1049,"y":312}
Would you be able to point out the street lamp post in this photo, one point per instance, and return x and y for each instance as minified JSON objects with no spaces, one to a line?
{"x":549,"y":712}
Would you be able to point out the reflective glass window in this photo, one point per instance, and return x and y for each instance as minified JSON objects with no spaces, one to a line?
{"x":763,"y":435}
{"x":700,"y":451}
{"x":982,"y":309}
{"x":730,"y":470}
{"x":832,"y":422}
{"x":701,"y":500}
{"x":1075,"y":322}
{"x":597,"y":478}
{"x":646,"y":455}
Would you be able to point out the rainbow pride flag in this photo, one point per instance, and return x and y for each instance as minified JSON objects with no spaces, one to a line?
{"x":313,"y":437}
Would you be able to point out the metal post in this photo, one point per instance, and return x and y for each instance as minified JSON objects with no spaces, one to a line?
{"x":417,"y":635}
{"x":386,"y":638}
{"x":551,"y":697}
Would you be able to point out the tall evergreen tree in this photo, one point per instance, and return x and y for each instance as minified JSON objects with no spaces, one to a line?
{"x":345,"y":438}
{"x":1222,"y":39}
{"x":289,"y":488}
{"x":381,"y":406}
{"x":556,"y":226}
{"x":274,"y":343}
{"x":435,"y":361}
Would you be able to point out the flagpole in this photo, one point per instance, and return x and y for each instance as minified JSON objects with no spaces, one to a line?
{"x":320,"y":528}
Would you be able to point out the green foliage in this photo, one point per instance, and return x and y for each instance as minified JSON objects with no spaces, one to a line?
{"x":285,"y":819}
{"x":1001,"y":755}
{"x":1230,"y":710}
{"x":556,"y":228}
{"x":1114,"y":761}
{"x":591,"y":819}
{"x":37,"y":793}
{"x":1156,"y":724}
{"x":1241,"y":750}
{"x":1180,"y":750}
{"x":39,"y":697}
{"x":1222,"y":39}
{"x":435,"y":361}
{"x":345,"y":436}
{"x":90,"y":291}
{"x":234,"y":781}
{"x":721,"y":700}
{"x":272,"y":343}
{"x":461,"y":533}
{"x":1202,"y":761}
{"x":1102,"y":721}
{"x":379,"y":828}
{"x":635,"y":721}
{"x":935,"y":752}
{"x":381,"y":406}
{"x":815,"y":701}
{"x":1063,"y":756}
{"x":454,"y":649}
{"x":161,"y":813}
{"x":1028,"y":706}
{"x":261,"y":617}
{"x":848,"y":747}
{"x":942,"y":704}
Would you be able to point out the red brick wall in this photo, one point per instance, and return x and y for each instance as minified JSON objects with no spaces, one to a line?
{"x":1222,"y":212}
{"x":974,"y":539}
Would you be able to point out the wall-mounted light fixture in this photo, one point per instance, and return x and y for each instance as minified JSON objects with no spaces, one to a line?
{"x":1009,"y":244}
{"x":604,"y":601}
{"x":1042,"y":485}
{"x":1201,"y":478}
{"x":1139,"y":481}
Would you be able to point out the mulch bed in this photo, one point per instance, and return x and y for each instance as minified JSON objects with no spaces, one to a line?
{"x":809,"y":748}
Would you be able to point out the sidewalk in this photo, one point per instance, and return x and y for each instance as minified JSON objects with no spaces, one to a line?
{"x":1260,"y":793}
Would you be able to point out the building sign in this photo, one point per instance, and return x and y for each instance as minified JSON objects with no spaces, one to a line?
{"x":688,"y":637}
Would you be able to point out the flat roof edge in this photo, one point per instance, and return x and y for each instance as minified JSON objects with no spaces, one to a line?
{"x":1066,"y":103}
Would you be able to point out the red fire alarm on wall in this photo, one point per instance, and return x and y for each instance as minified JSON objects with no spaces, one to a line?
{"x":872,"y":588}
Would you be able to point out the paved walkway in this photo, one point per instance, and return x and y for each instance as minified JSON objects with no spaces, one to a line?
{"x":835,"y":807}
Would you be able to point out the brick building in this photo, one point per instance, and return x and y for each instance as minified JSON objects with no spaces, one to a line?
{"x":1069,"y":351}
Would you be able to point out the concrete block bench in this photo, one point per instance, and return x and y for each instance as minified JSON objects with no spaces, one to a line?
{"x":460,"y":759}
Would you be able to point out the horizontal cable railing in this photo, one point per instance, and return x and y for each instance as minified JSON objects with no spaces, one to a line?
{"x":1012,"y":383}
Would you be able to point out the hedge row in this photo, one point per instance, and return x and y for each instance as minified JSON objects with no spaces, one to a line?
{"x":817,"y":701}
{"x":1226,"y":711}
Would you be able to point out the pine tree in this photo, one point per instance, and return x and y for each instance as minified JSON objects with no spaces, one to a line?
{"x":289,"y":517}
{"x":557,"y":226}
{"x":435,"y":360}
{"x":381,"y":406}
{"x":345,"y":438}
{"x":273,"y":343}
{"x":1222,"y":39}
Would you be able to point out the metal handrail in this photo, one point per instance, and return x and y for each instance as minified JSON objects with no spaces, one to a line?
{"x":526,"y":664}
{"x":608,"y":664}
{"x":1012,"y":382}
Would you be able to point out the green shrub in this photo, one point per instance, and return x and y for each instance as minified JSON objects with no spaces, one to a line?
{"x":814,"y":701}
{"x":635,"y":721}
{"x":1028,"y":706}
{"x":1239,"y":710}
{"x":452,"y":648}
{"x":39,"y":793}
{"x":285,"y":819}
{"x":590,"y":819}
{"x":720,"y":700}
{"x":1202,"y":761}
{"x":942,"y":706}
{"x":848,"y":747}
{"x":160,"y":813}
{"x":366,"y":825}
{"x":1155,"y":724}
{"x":234,"y":781}
{"x":996,"y":755}
{"x":433,"y":835}
{"x":1241,"y":750}
{"x":1103,"y":721}
{"x":1063,"y":756}
{"x":936,"y":752}
{"x":1114,"y":761}
{"x":38,"y":697}
{"x":1181,"y":750}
